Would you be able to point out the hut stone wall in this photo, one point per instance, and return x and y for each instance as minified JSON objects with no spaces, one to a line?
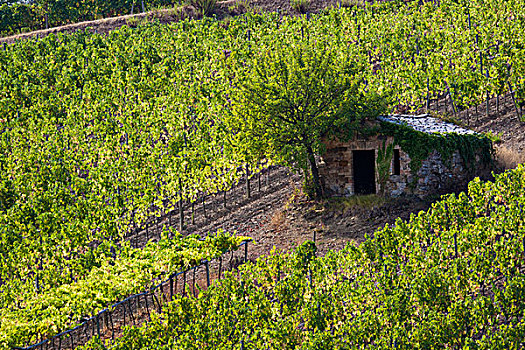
{"x":435,"y":176}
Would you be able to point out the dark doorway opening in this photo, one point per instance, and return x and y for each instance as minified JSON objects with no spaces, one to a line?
{"x":397,"y":163}
{"x":364,"y":172}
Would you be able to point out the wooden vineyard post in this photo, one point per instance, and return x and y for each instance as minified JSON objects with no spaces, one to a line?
{"x":184,"y":284}
{"x":176,"y":283}
{"x":105,"y":318}
{"x":456,"y":244}
{"x":451,"y":101}
{"x":181,"y":210}
{"x":514,"y":101}
{"x":98,"y":325}
{"x":193,"y":213}
{"x":204,"y":204}
{"x":155,"y":299}
{"x":454,"y":108}
{"x":37,"y":287}
{"x":427,"y":108}
{"x":194,"y":281}
{"x":171,"y":287}
{"x":207,"y":264}
{"x":487,"y":101}
{"x":131,"y":311}
{"x":147,"y":305}
{"x":47,"y":17}
{"x":487,"y":111}
{"x":248,"y":192}
{"x":446,"y":102}
{"x":523,"y":245}
{"x":112,"y":328}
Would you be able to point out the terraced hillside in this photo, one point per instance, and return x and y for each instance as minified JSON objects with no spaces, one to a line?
{"x":108,"y":140}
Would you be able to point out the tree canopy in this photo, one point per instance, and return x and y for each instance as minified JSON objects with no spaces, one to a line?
{"x":290,"y":98}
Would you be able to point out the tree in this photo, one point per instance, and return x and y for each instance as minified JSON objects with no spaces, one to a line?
{"x":292,"y":97}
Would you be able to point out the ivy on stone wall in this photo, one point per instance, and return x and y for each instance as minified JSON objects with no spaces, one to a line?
{"x":418,"y":145}
{"x":383,"y":161}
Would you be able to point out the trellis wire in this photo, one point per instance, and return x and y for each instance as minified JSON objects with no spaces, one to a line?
{"x":107,"y":313}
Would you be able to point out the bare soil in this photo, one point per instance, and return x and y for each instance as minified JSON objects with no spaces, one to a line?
{"x":278,"y":215}
{"x":108,"y":24}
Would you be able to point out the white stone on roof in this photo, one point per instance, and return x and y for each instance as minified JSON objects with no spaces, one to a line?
{"x":425,"y":123}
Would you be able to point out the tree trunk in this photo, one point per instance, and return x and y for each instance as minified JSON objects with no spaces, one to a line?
{"x":315,"y":172}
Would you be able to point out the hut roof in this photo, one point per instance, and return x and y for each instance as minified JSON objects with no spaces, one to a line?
{"x":425,"y":123}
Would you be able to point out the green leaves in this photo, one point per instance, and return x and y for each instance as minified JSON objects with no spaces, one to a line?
{"x":101,"y":133}
{"x":134,"y":270}
{"x":290,"y":96}
{"x":404,"y":287}
{"x":383,"y":161}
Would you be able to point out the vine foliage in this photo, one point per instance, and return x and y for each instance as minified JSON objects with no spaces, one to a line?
{"x":383,"y":161}
{"x":474,"y":149}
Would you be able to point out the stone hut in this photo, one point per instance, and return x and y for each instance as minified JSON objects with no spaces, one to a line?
{"x":418,"y":155}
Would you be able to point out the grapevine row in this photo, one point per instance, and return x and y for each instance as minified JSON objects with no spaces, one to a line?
{"x":129,"y":272}
{"x":450,"y":277}
{"x":97,"y":131}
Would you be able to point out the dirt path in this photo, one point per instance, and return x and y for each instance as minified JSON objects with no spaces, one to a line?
{"x":279,"y":215}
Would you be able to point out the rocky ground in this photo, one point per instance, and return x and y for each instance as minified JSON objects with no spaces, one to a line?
{"x":278,"y":215}
{"x":281,"y":216}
